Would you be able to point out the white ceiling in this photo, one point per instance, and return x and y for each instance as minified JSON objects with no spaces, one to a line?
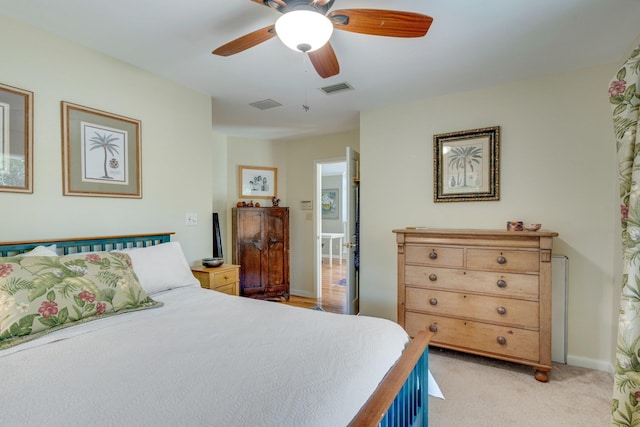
{"x":471,"y":44}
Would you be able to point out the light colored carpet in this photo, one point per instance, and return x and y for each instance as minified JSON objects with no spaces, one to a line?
{"x":483,"y":392}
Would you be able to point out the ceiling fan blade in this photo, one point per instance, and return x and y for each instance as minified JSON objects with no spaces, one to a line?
{"x":390,"y":23}
{"x":325,"y":62}
{"x":247,"y":41}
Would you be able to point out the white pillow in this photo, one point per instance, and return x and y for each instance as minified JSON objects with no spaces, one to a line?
{"x":161,"y":267}
{"x":41,"y":251}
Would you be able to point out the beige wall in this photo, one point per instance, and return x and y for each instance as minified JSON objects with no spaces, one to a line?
{"x":558,"y":167}
{"x":177,"y":151}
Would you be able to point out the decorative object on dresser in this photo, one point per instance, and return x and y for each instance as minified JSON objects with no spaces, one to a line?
{"x":261,"y":247}
{"x":16,"y":140}
{"x":225,"y":278}
{"x":212,"y":262}
{"x":466,"y":165}
{"x":485,"y":292}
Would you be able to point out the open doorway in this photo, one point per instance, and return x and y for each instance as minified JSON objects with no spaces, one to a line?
{"x":331,"y":260}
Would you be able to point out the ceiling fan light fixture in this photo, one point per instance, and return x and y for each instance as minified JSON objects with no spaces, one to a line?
{"x":304,"y":30}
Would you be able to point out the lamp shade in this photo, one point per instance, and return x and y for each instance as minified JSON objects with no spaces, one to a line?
{"x":304,"y":30}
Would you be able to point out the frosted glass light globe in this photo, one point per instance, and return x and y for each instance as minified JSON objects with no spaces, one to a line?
{"x":304,"y":30}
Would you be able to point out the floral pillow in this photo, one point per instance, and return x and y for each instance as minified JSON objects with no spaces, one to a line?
{"x":40,"y":294}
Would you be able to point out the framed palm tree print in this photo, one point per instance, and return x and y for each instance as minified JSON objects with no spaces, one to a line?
{"x":100,"y":153}
{"x":467,"y":165}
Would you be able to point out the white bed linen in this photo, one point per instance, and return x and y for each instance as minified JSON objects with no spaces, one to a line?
{"x":205,"y":358}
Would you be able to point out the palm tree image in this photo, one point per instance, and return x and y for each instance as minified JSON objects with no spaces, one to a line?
{"x":464,"y":159}
{"x":104,"y":141}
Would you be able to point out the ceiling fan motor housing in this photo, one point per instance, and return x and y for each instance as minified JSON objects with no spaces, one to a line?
{"x":292,"y":5}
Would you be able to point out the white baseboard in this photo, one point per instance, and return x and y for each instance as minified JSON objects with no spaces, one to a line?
{"x":583,"y":362}
{"x":299,"y":293}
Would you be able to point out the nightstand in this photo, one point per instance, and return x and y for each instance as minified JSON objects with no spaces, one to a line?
{"x":225,"y":279}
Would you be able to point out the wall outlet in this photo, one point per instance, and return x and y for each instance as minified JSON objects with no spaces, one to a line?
{"x":191,"y":218}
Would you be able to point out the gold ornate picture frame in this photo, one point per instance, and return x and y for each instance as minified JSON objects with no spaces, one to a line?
{"x":467,"y":165}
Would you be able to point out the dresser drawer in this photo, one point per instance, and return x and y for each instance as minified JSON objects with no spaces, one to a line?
{"x":434,"y":255}
{"x":497,"y":283}
{"x":224,"y":277}
{"x":506,"y":311}
{"x":503,"y":260}
{"x":467,"y":335}
{"x":228,"y":288}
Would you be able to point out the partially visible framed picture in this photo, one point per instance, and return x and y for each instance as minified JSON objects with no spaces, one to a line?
{"x":101,"y":153}
{"x":330,"y":201}
{"x":16,"y":140}
{"x":257,"y":182}
{"x":467,"y":165}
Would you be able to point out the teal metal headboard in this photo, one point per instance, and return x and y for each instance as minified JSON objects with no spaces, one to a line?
{"x":87,"y":244}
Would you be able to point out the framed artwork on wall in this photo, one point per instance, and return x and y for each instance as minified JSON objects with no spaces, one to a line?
{"x":16,"y":140}
{"x":467,"y":165}
{"x":100,"y":153}
{"x":257,"y":182}
{"x":330,"y":201}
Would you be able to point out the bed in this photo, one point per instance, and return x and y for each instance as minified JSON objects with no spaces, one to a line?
{"x":113,"y":331}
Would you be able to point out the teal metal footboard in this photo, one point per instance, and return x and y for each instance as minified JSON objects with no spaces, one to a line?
{"x":402,"y":397}
{"x":410,"y":406}
{"x":87,"y":244}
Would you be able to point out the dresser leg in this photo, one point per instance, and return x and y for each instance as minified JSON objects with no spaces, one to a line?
{"x":542,"y":376}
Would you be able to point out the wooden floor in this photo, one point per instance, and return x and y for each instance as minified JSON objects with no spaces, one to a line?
{"x":333,"y":296}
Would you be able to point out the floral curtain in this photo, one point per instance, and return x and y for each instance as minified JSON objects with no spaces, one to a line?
{"x":624,"y":95}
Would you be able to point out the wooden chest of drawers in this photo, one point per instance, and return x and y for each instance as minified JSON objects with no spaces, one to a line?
{"x":225,"y":279}
{"x":480,"y":291}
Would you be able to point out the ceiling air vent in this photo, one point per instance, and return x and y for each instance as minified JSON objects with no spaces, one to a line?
{"x":265,"y":104}
{"x":336,"y":88}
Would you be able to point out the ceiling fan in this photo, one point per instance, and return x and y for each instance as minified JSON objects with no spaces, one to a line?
{"x":303,"y":21}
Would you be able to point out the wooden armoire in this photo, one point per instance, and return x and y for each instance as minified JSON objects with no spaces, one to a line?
{"x":261,"y":247}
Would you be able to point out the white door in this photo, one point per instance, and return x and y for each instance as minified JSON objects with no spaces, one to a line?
{"x":352,"y":234}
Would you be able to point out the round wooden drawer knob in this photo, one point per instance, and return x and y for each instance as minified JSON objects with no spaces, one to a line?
{"x":502,"y":310}
{"x":501,"y":260}
{"x":433,"y":328}
{"x":501,"y":340}
{"x":433,"y":255}
{"x":433,"y":301}
{"x":501,"y":283}
{"x":433,"y":277}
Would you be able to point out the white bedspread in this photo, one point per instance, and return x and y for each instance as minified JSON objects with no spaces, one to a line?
{"x":204,"y":358}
